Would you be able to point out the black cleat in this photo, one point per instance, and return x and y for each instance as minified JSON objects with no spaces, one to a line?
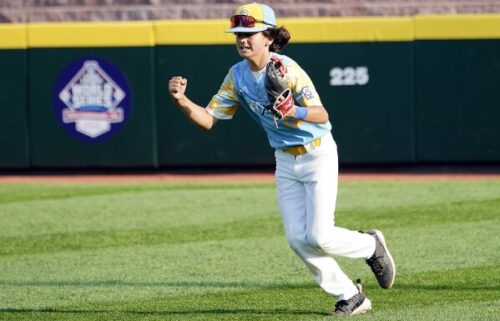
{"x":356,"y":305}
{"x":381,"y":262}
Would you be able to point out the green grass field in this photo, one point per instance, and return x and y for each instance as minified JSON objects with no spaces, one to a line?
{"x":156,"y":251}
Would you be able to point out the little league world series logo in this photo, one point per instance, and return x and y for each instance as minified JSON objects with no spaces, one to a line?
{"x":92,"y":99}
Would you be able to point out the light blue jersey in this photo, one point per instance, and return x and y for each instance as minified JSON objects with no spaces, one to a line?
{"x":242,"y":87}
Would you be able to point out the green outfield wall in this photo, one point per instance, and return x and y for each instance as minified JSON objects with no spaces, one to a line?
{"x":55,"y":142}
{"x":458,"y":115}
{"x":14,"y":144}
{"x":403,"y":90}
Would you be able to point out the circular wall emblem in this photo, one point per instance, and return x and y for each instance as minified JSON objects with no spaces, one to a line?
{"x":92,"y":99}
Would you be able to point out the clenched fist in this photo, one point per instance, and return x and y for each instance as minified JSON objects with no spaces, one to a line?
{"x":177,"y":87}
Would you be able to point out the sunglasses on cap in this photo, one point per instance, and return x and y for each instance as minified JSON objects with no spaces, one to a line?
{"x":246,"y":21}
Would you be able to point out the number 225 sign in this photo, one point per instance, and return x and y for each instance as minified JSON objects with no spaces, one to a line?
{"x":349,"y":76}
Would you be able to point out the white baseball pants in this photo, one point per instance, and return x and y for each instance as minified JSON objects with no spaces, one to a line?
{"x":307,"y":193}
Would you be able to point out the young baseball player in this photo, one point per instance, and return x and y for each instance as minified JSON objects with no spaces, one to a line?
{"x":281,"y":97}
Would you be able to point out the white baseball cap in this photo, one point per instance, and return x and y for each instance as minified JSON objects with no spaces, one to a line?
{"x":253,"y":17}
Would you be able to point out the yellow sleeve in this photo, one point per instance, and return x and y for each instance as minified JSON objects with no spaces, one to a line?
{"x":303,"y":89}
{"x":224,"y":104}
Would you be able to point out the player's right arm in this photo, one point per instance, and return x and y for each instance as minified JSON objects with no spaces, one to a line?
{"x":195,"y":113}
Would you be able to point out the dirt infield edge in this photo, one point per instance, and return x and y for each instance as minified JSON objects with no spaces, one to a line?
{"x":233,"y":177}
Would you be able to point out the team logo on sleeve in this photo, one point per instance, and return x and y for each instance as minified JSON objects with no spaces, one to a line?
{"x":92,"y":99}
{"x":307,"y":92}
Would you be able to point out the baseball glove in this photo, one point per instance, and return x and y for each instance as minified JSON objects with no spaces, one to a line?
{"x":276,"y":84}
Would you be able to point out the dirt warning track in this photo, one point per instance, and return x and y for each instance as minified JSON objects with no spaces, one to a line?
{"x":218,"y":176}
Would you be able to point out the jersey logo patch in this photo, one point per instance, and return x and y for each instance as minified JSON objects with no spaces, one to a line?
{"x":307,"y":92}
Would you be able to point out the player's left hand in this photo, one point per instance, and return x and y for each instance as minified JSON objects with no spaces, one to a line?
{"x":278,"y":91}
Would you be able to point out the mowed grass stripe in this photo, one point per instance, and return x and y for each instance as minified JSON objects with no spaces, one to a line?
{"x":129,"y":211}
{"x":374,"y":193}
{"x":471,"y":291}
{"x":261,"y":225}
{"x":160,"y":205}
{"x":421,"y":215}
{"x":244,"y":228}
{"x":482,"y":281}
{"x":12,"y":193}
{"x":478,"y":311}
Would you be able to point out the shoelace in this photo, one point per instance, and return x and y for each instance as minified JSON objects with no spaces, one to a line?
{"x":342,"y":306}
{"x":346,"y":305}
{"x":375,"y":264}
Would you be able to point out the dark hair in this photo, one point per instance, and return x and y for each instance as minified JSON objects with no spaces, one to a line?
{"x":280,"y":35}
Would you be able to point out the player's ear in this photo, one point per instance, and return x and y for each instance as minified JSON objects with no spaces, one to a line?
{"x":269,"y":40}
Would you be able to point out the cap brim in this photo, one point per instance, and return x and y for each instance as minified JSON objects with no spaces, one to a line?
{"x":243,"y":29}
